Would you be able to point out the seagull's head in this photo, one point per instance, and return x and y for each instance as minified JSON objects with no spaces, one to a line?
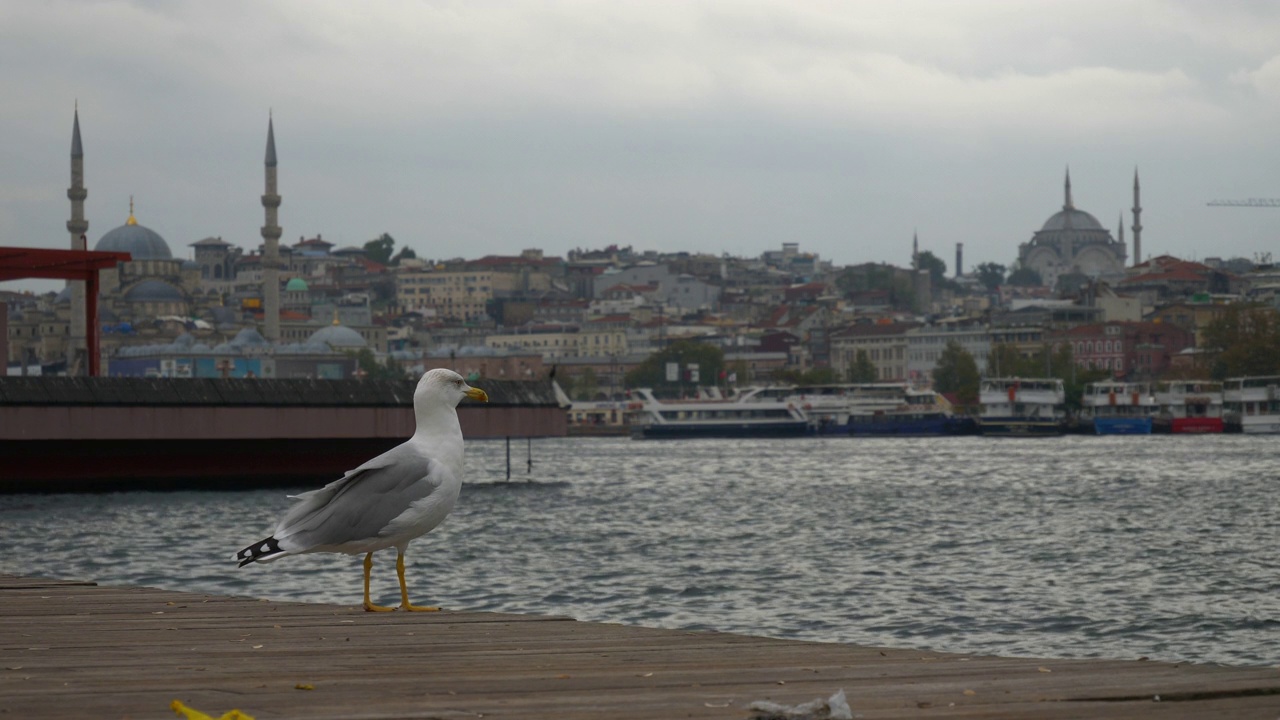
{"x":445,"y":388}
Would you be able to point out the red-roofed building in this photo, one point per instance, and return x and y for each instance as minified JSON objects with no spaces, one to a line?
{"x":1141,"y":350}
{"x":1167,"y":279}
{"x":808,"y":292}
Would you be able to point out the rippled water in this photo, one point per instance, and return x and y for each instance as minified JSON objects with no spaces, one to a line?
{"x":1159,"y":546}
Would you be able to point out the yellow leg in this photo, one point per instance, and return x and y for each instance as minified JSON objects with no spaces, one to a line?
{"x":404,"y":590}
{"x":368,"y":604}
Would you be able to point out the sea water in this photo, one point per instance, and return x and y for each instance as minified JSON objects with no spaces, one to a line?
{"x":1165,"y":547}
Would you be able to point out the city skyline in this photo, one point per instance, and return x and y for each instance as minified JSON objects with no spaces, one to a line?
{"x":712,"y":127}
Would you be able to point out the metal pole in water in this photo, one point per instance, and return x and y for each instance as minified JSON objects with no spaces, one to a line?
{"x":529,"y":448}
{"x":508,"y":457}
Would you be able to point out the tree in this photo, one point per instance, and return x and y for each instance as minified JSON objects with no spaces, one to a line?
{"x":935,"y":265}
{"x":406,"y":253}
{"x":1024,"y":277}
{"x":813,"y":376}
{"x":1244,"y":340}
{"x":991,"y":275}
{"x":585,"y":385}
{"x":957,"y":372}
{"x":379,"y":250}
{"x":374,"y":370}
{"x":652,"y":373}
{"x":862,"y":370}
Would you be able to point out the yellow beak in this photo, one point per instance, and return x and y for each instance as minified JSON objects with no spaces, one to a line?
{"x":477,"y":394}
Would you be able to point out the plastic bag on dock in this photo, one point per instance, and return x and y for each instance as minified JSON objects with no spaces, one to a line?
{"x":835,"y":707}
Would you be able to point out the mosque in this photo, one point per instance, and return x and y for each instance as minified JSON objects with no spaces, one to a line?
{"x":164,"y":316}
{"x":1072,"y":244}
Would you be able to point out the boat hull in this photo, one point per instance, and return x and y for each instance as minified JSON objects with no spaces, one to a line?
{"x":1260,"y":424}
{"x":1122,"y":426}
{"x":1019,"y":427}
{"x":682,"y":431}
{"x":911,"y":427}
{"x":1196,"y":425}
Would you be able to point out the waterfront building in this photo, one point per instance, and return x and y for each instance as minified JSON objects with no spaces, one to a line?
{"x":884,"y":343}
{"x":1134,"y":350}
{"x":925,"y":345}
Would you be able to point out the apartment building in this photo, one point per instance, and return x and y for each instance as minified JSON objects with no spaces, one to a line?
{"x":461,"y":296}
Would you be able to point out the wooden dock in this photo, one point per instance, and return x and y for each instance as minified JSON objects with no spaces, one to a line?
{"x":76,"y":650}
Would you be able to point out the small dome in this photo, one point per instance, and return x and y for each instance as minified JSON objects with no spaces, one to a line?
{"x":248,"y":336}
{"x":1072,"y":219}
{"x":296,"y":285}
{"x":142,"y":243}
{"x":338,"y":337}
{"x":153,"y":291}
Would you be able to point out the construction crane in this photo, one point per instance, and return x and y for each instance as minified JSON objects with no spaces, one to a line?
{"x":1250,"y":202}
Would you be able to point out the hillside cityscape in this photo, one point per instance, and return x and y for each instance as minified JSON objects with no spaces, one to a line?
{"x":311,"y":309}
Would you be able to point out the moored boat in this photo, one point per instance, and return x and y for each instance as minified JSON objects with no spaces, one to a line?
{"x":1022,"y":407}
{"x":1189,"y":407}
{"x":1119,"y":408}
{"x":874,"y":409}
{"x":745,"y":416}
{"x":1252,"y":404}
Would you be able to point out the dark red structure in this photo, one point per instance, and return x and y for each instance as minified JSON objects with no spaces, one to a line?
{"x":20,"y":263}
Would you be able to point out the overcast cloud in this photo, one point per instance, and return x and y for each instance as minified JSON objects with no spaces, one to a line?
{"x":468,"y":128}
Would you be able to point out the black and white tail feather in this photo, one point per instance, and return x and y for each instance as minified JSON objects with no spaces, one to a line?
{"x":263,"y":550}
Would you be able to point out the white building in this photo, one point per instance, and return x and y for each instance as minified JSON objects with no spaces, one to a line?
{"x":926,"y":343}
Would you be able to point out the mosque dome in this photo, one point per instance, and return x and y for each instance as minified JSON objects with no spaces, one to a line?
{"x":141,"y":242}
{"x":248,"y":336}
{"x":1072,"y":219}
{"x":296,"y":285}
{"x":153,"y":291}
{"x":338,"y":337}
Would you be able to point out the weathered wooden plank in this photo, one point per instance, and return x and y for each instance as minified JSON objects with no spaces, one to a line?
{"x":71,"y":650}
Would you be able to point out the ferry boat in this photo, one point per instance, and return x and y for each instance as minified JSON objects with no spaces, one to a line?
{"x":1119,"y":408}
{"x":1022,"y":407}
{"x":874,"y":409}
{"x":1189,"y":406}
{"x":600,"y":417}
{"x":744,"y":416}
{"x":1252,"y":404}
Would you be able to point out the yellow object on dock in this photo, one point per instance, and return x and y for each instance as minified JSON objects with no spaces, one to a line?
{"x":192,"y":714}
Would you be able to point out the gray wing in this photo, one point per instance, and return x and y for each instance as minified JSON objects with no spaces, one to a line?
{"x":361,"y":504}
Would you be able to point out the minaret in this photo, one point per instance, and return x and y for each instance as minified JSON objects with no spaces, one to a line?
{"x":1120,"y":236}
{"x":1137,"y":221}
{"x":915,"y":250}
{"x":271,"y":243}
{"x":1067,"y":203}
{"x":77,"y":226}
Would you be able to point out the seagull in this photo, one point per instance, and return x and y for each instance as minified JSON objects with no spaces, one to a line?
{"x":388,"y":501}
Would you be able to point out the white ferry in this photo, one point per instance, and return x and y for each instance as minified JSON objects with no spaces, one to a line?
{"x":873,"y":409}
{"x":744,"y":416}
{"x":1189,"y":406}
{"x":1119,"y":408}
{"x":1252,"y":404}
{"x":1022,"y":407}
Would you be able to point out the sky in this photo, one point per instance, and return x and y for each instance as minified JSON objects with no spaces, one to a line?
{"x":471,"y":128}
